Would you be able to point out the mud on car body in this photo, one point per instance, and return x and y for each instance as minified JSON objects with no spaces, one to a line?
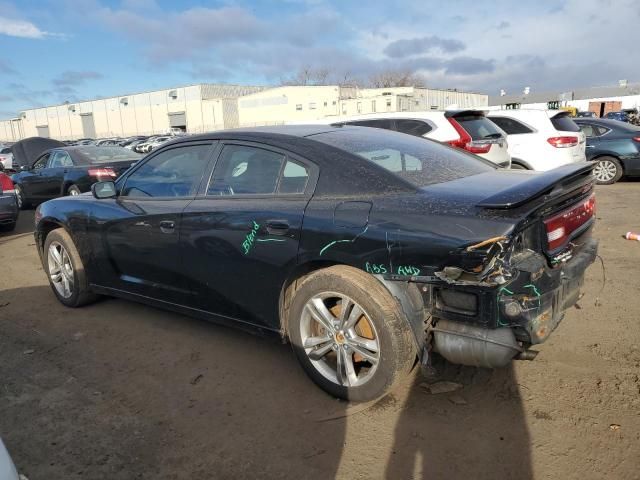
{"x":366,"y":249}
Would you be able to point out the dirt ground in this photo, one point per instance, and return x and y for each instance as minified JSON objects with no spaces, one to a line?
{"x":118,"y":390}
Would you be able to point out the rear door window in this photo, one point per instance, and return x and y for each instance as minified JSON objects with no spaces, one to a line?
{"x":387,"y":124}
{"x":564,"y":123}
{"x":511,"y":126}
{"x":413,"y":127}
{"x":479,"y":127}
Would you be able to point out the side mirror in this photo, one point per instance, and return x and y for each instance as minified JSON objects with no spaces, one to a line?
{"x":24,"y":168}
{"x":102,"y":190}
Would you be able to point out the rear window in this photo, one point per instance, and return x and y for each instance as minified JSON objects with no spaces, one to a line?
{"x":412,"y":127}
{"x":478,"y":127}
{"x":564,"y":124}
{"x":420,"y":161}
{"x":107,"y":154}
{"x":511,"y":126}
{"x":5,"y":150}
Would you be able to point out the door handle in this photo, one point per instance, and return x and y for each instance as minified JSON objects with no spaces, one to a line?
{"x":277,"y":227}
{"x":167,"y":226}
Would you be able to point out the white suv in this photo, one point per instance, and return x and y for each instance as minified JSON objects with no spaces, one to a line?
{"x":541,"y":139}
{"x":469,"y":130}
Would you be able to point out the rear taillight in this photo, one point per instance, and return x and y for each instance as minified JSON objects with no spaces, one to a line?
{"x":563,"y":142}
{"x":6,"y":185}
{"x":636,"y":139}
{"x":465,"y":141}
{"x":561,"y":226}
{"x":102,"y":172}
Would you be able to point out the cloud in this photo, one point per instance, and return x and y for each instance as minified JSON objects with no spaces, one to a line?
{"x":6,"y":69}
{"x":502,"y":25}
{"x":415,"y":46}
{"x":20,"y":28}
{"x":71,"y":78}
{"x":469,"y":65}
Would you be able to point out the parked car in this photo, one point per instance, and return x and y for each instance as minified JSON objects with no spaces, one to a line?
{"x":614,"y":146}
{"x":141,"y":147}
{"x":585,"y":115}
{"x":133,"y":144}
{"x":540,"y":139}
{"x":7,"y":468}
{"x":151,"y":145}
{"x":365,"y":248}
{"x":70,"y":171}
{"x":469,"y":130}
{"x":9,"y":210}
{"x":620,"y":116}
{"x":6,"y":158}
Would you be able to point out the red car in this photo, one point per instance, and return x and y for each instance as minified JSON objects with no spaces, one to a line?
{"x":8,"y":204}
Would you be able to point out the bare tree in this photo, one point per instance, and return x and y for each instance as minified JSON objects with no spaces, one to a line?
{"x":396,"y":78}
{"x":308,"y":76}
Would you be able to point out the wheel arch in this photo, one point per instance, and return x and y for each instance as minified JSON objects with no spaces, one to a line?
{"x":410,"y":299}
{"x":522,"y":163}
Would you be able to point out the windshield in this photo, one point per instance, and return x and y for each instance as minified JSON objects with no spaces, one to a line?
{"x":107,"y":154}
{"x":564,"y":123}
{"x":418,"y":160}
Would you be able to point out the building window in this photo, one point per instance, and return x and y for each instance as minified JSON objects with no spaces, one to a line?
{"x":417,"y":102}
{"x":553,"y":105}
{"x":312,"y":106}
{"x":359,"y":107}
{"x":299,"y":106}
{"x":373,"y":106}
{"x":389,"y":103}
{"x":344,"y":109}
{"x":334,"y":102}
{"x":512,"y":106}
{"x":325,"y":104}
{"x":434,"y":107}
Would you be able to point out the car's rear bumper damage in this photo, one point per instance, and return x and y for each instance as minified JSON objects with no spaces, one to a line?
{"x":489,"y":324}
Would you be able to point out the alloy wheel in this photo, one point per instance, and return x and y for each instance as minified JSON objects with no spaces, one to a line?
{"x":605,"y":171}
{"x":340,"y":339}
{"x":60,"y":269}
{"x":19,"y":196}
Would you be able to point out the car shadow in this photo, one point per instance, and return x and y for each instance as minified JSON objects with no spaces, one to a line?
{"x":24,"y":226}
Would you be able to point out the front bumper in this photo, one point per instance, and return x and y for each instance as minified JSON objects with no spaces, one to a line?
{"x":532,"y":304}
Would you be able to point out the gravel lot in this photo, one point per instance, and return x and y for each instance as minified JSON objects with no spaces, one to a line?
{"x":118,"y":390}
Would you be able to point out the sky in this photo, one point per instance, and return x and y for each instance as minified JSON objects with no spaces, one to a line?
{"x":53,"y":51}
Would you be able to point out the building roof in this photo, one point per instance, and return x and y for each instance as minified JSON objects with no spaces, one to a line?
{"x":577,"y":94}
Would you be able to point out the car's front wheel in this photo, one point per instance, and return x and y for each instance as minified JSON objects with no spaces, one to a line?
{"x":73,"y":190}
{"x":607,"y":170}
{"x":65,"y":270}
{"x":350,"y":334}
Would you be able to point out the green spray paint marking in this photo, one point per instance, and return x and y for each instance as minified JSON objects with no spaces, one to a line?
{"x":331,"y":244}
{"x":250,"y":238}
{"x":375,"y":267}
{"x":535,"y":290}
{"x":408,"y":270}
{"x":499,"y":320}
{"x":269,"y":240}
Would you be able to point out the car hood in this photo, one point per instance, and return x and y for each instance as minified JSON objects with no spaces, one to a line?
{"x":26,"y":151}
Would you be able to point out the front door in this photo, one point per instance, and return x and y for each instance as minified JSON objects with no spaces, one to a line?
{"x":32,"y":182}
{"x":241,"y":235}
{"x":140,"y":230}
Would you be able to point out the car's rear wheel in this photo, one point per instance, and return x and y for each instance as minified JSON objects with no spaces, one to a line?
{"x":8,"y":227}
{"x":65,"y":270}
{"x":22,"y":201}
{"x":73,"y":190}
{"x":350,"y":334}
{"x":607,"y":170}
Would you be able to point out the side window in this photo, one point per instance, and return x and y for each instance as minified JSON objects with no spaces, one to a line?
{"x":41,"y":162}
{"x":294,"y":178}
{"x":60,"y":159}
{"x":510,"y":126}
{"x":599,"y":130}
{"x":588,"y":130}
{"x":413,"y":127}
{"x":243,"y":170}
{"x":386,"y":124}
{"x":173,"y":173}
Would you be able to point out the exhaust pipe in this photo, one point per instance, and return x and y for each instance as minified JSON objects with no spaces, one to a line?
{"x":475,"y":346}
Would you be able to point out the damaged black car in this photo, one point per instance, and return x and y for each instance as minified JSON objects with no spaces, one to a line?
{"x":368,"y":250}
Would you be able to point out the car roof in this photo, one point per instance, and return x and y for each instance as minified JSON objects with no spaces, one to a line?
{"x":300,"y":131}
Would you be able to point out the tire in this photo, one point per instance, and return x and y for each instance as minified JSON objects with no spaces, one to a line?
{"x":74,"y":277}
{"x":23,"y":204}
{"x":607,"y":171}
{"x":73,"y":190}
{"x":378,"y":323}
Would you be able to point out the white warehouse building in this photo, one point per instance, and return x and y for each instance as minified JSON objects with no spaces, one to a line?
{"x":206,"y":107}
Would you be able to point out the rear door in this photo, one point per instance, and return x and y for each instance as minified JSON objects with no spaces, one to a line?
{"x":520,"y":138}
{"x":138,"y":240}
{"x":53,"y":175}
{"x":241,"y":235}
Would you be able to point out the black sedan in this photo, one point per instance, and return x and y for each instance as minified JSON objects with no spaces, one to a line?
{"x":70,"y":171}
{"x":367,"y":249}
{"x":614,"y":146}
